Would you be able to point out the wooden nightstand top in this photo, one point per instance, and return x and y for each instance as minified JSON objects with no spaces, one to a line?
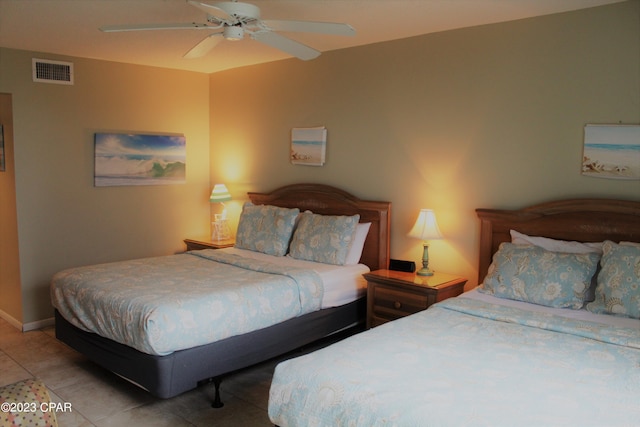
{"x":207,"y":243}
{"x":438,"y":280}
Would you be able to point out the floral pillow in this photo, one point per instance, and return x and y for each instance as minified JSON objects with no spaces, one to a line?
{"x":532,"y":274}
{"x":265,"y":228}
{"x":618,"y":290}
{"x":556,"y":245}
{"x":323,"y":238}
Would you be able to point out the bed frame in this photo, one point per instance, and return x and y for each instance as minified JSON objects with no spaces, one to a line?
{"x":170,"y":375}
{"x":582,"y":220}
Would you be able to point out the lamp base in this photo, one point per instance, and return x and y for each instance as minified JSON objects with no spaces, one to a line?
{"x":425,"y":272}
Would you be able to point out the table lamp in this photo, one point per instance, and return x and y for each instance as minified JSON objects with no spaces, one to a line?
{"x":425,"y":228}
{"x":220,"y":227}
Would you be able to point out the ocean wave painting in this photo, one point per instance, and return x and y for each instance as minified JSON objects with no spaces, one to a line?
{"x":137,"y":159}
{"x":612,"y":151}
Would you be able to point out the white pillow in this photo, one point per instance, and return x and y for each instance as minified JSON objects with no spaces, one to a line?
{"x":554,"y":245}
{"x":355,"y":251}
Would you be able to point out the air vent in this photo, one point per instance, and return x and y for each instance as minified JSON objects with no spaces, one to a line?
{"x":48,"y":71}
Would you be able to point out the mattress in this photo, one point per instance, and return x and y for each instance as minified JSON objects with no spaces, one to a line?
{"x":163,"y":304}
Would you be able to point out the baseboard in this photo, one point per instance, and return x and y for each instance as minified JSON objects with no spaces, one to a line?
{"x":38,"y":324}
{"x":26,"y":327}
{"x":12,"y":320}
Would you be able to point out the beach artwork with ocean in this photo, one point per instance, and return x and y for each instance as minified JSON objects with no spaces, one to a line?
{"x":308,"y":146}
{"x":137,"y":159}
{"x":612,"y":151}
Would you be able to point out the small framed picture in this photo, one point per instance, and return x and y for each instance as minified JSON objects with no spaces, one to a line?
{"x":611,"y":151}
{"x":308,"y":146}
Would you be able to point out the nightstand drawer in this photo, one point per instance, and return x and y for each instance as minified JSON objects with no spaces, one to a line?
{"x":392,"y":304}
{"x":394,"y":294}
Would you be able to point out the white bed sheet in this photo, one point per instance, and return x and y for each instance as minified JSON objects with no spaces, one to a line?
{"x":342,"y":283}
{"x":607,"y":319}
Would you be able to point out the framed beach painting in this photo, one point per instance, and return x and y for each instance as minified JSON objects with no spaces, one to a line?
{"x":308,"y":146}
{"x":611,"y":151}
{"x":138,"y":159}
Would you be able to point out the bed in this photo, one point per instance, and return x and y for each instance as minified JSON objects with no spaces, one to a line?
{"x":156,"y":362}
{"x":532,"y":348}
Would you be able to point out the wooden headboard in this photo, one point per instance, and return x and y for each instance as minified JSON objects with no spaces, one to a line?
{"x":327,"y":200}
{"x":582,"y":220}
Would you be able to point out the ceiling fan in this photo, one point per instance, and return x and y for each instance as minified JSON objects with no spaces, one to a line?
{"x":233,"y":19}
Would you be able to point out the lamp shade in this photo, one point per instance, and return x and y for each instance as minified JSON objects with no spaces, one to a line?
{"x":426,"y":227}
{"x":220,"y":194}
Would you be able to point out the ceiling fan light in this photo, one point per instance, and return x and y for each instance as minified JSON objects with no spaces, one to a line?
{"x":233,"y":33}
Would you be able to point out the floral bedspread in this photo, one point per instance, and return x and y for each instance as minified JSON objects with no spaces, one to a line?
{"x":465,"y":362}
{"x":163,"y":304}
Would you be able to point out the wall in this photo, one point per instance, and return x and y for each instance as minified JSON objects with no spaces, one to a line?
{"x":489,"y":116}
{"x":63,"y":220}
{"x":10,"y":292}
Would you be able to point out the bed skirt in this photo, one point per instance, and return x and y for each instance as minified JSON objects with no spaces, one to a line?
{"x":180,"y":371}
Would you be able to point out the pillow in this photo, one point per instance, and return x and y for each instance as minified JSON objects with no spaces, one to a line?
{"x":630,"y":244}
{"x":561,"y":246}
{"x":618,"y":290}
{"x":555,"y":245}
{"x":323,"y":238}
{"x":355,"y":251}
{"x":265,"y":228}
{"x":532,"y":274}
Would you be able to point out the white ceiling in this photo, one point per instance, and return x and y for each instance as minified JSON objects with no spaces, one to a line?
{"x":70,"y":27}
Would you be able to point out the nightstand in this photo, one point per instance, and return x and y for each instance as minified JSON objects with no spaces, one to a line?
{"x":198,"y":244}
{"x":395,"y":294}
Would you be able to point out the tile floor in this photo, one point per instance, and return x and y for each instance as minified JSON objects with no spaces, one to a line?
{"x":100,"y":398}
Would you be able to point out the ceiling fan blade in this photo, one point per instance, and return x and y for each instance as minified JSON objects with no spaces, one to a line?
{"x":285,"y":44}
{"x":204,"y":46}
{"x":332,"y":28}
{"x":212,"y":10}
{"x":145,"y":27}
